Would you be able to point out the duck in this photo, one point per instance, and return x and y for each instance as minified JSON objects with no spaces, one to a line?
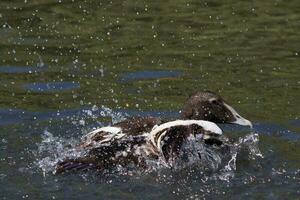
{"x":138,"y":139}
{"x":203,"y":105}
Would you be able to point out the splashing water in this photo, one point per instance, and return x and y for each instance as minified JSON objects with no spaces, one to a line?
{"x":92,"y":114}
{"x":115,"y":116}
{"x":223,"y":162}
{"x":250,"y":142}
{"x":53,"y":150}
{"x":197,"y":153}
{"x":104,"y":111}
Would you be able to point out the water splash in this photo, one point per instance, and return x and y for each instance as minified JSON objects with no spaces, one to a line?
{"x":52,"y":150}
{"x":96,"y":112}
{"x":251,"y":142}
{"x":248,"y":142}
{"x":221,"y":161}
{"x":115,"y":116}
{"x":197,"y":153}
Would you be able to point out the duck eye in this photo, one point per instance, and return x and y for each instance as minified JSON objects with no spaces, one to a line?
{"x":214,"y":101}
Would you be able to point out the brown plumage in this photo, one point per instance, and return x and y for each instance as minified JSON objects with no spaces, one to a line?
{"x":128,"y":141}
{"x":138,"y":125}
{"x":164,"y":142}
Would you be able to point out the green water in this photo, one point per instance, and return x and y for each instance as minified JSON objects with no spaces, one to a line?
{"x":247,"y":51}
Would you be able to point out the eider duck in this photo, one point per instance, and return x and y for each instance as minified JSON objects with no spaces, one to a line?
{"x":140,"y":138}
{"x":205,"y":105}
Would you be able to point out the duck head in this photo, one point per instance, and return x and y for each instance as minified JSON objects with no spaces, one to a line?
{"x":211,"y":107}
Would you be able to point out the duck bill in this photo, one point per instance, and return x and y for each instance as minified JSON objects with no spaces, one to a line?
{"x":243,"y":122}
{"x":238,"y":118}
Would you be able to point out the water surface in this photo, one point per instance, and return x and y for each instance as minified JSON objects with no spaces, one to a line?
{"x":51,"y":87}
{"x":140,"y":75}
{"x":246,"y":51}
{"x":15,"y":69}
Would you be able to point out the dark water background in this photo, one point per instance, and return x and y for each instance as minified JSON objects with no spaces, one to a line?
{"x":65,"y":63}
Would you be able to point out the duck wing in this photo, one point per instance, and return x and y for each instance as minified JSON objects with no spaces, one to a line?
{"x":169,"y":137}
{"x":135,"y":126}
{"x":78,"y":164}
{"x":104,"y":157}
{"x":138,"y":125}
